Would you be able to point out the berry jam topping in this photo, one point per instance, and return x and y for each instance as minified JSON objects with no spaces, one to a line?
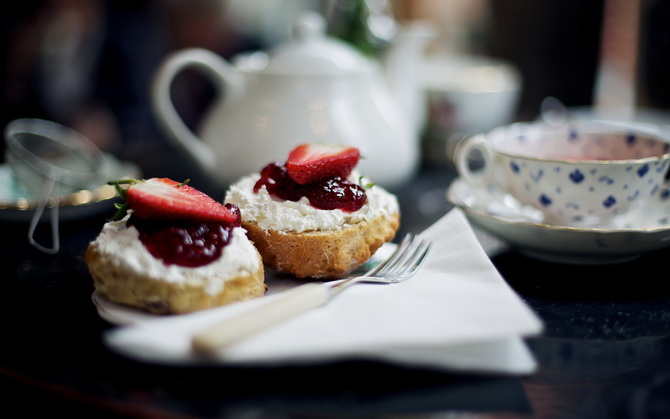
{"x":326,"y":194}
{"x":184,"y":243}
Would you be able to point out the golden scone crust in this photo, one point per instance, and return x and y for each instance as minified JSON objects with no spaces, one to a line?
{"x":322,"y":254}
{"x":116,"y":282}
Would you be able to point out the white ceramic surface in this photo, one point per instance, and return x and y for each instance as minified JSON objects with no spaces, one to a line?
{"x":469,"y":93}
{"x":625,"y":238}
{"x":312,"y":89}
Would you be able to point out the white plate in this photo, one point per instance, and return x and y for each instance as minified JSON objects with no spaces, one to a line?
{"x":276,"y":283}
{"x":18,"y":204}
{"x":627,"y":238}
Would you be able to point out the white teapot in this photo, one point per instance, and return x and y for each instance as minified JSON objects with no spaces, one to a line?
{"x":312,"y":89}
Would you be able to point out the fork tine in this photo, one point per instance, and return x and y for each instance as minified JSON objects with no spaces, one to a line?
{"x":419,"y":256}
{"x":395,"y":256}
{"x":401,"y":260}
{"x":411,"y":261}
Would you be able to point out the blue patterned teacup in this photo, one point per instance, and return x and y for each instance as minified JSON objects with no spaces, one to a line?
{"x":578,"y":173}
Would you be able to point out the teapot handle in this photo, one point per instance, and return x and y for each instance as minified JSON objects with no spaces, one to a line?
{"x":225,"y":77}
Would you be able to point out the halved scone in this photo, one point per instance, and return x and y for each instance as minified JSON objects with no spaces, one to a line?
{"x":175,"y":250}
{"x":297,"y":236}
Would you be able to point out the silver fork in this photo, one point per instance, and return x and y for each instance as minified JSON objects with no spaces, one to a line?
{"x":405,"y":261}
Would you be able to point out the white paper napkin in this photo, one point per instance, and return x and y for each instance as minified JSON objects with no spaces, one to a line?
{"x":456,"y":313}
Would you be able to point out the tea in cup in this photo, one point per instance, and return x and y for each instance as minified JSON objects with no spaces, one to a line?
{"x":581,"y":173}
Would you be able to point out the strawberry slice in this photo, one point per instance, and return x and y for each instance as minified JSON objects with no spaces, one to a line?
{"x":311,"y":162}
{"x":165,"y":199}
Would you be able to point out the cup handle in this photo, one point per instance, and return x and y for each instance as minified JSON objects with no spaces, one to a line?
{"x":221,"y":72}
{"x":463,"y":154}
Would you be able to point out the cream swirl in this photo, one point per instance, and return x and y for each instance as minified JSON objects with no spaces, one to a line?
{"x":280,"y":215}
{"x":238,"y":256}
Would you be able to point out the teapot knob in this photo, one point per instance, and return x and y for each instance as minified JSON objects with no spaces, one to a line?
{"x":309,"y":26}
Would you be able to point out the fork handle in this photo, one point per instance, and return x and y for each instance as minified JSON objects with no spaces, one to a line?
{"x":283,"y":307}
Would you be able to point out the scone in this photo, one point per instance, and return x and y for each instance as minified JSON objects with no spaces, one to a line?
{"x":312,"y":216}
{"x":175,"y":250}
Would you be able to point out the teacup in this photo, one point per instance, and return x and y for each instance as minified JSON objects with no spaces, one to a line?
{"x":577,"y":173}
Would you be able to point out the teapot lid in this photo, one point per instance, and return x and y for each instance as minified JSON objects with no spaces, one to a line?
{"x":311,"y":51}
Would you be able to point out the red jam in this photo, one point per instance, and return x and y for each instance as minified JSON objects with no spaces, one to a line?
{"x":326,"y":194}
{"x":183,"y":243}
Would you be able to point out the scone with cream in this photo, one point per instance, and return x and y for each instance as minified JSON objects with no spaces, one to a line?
{"x":312,"y":216}
{"x":173,"y":249}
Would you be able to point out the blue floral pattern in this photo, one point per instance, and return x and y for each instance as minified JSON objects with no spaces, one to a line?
{"x":586,"y":175}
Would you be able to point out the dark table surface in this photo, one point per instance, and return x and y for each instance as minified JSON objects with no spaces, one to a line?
{"x":605,"y":351}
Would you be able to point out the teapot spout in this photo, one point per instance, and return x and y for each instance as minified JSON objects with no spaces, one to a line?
{"x":402,"y":65}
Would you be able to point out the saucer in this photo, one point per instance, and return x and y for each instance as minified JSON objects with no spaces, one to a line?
{"x":624,"y":239}
{"x":18,"y":204}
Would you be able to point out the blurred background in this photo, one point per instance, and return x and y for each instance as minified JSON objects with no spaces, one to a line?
{"x":88,"y":64}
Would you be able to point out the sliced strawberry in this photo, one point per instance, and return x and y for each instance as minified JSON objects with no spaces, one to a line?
{"x":311,"y":162}
{"x":165,"y":199}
